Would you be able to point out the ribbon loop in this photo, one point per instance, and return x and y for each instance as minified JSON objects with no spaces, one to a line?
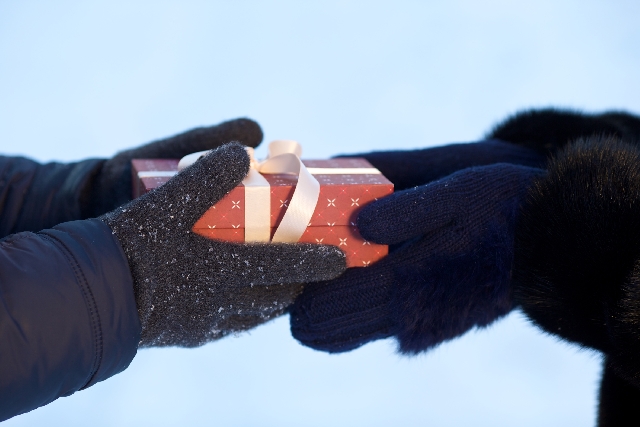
{"x":282,"y":146}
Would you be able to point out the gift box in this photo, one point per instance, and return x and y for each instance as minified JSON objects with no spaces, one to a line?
{"x":346,"y":185}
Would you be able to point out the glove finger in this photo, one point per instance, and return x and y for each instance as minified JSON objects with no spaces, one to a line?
{"x":346,"y":313}
{"x":244,"y":131}
{"x":113,"y":186}
{"x":446,"y":202}
{"x":407,"y":214}
{"x":269,"y":264}
{"x":407,"y":169}
{"x":180,"y":202}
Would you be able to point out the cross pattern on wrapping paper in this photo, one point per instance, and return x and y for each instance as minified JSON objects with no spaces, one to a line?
{"x":360,"y":253}
{"x":341,"y":197}
{"x":228,"y":213}
{"x":343,"y":202}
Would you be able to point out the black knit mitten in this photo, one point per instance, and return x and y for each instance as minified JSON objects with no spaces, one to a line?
{"x":526,"y":138}
{"x":410,"y":168}
{"x":450,"y":272}
{"x":189,"y":289}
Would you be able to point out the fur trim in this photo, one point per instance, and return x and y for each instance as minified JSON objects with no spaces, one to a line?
{"x":618,"y":406}
{"x":548,"y":130}
{"x":577,"y":259}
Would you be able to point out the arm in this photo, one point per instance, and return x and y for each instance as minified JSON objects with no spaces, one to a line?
{"x":35,"y":196}
{"x":526,"y":138}
{"x":450,"y":265}
{"x":76,"y":301}
{"x":68,"y":317}
{"x":577,"y":260}
{"x":619,"y":401}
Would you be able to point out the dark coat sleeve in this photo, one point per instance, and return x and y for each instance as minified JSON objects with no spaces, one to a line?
{"x":35,"y":196}
{"x":68,"y":317}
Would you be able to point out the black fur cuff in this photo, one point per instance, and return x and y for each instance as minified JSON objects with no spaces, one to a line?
{"x":577,"y":258}
{"x":547,"y":130}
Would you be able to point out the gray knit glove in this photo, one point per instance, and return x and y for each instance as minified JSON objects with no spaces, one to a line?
{"x":111,"y":187}
{"x":189,"y":289}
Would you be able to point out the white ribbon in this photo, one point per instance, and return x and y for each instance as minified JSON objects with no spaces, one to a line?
{"x":257,"y":206}
{"x":284,"y":157}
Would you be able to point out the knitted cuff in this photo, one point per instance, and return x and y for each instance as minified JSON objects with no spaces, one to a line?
{"x":577,"y":269}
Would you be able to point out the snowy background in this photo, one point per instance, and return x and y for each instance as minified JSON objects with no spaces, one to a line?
{"x":86,"y":79}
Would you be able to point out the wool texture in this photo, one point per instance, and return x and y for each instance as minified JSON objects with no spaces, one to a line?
{"x":577,"y":269}
{"x":410,"y":168}
{"x":527,"y":138}
{"x":189,"y":289}
{"x":450,"y":271}
{"x":111,"y":184}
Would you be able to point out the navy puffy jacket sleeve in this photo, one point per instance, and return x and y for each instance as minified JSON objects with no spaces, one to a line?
{"x":68,"y":317}
{"x":34,"y":196}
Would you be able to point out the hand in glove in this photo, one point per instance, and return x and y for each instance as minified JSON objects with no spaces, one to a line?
{"x":190,"y":290}
{"x":451,"y":272}
{"x":35,"y":196}
{"x":527,"y":138}
{"x":411,"y":168}
{"x":112,"y":186}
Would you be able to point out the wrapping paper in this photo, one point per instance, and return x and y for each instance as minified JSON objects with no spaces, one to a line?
{"x":333,"y":220}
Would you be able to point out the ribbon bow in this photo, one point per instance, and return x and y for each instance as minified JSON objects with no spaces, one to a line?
{"x":284,"y":157}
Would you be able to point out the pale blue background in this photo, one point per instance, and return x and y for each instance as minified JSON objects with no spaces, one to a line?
{"x":82,"y":79}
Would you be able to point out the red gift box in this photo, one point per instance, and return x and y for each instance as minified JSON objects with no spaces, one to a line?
{"x":333,"y":221}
